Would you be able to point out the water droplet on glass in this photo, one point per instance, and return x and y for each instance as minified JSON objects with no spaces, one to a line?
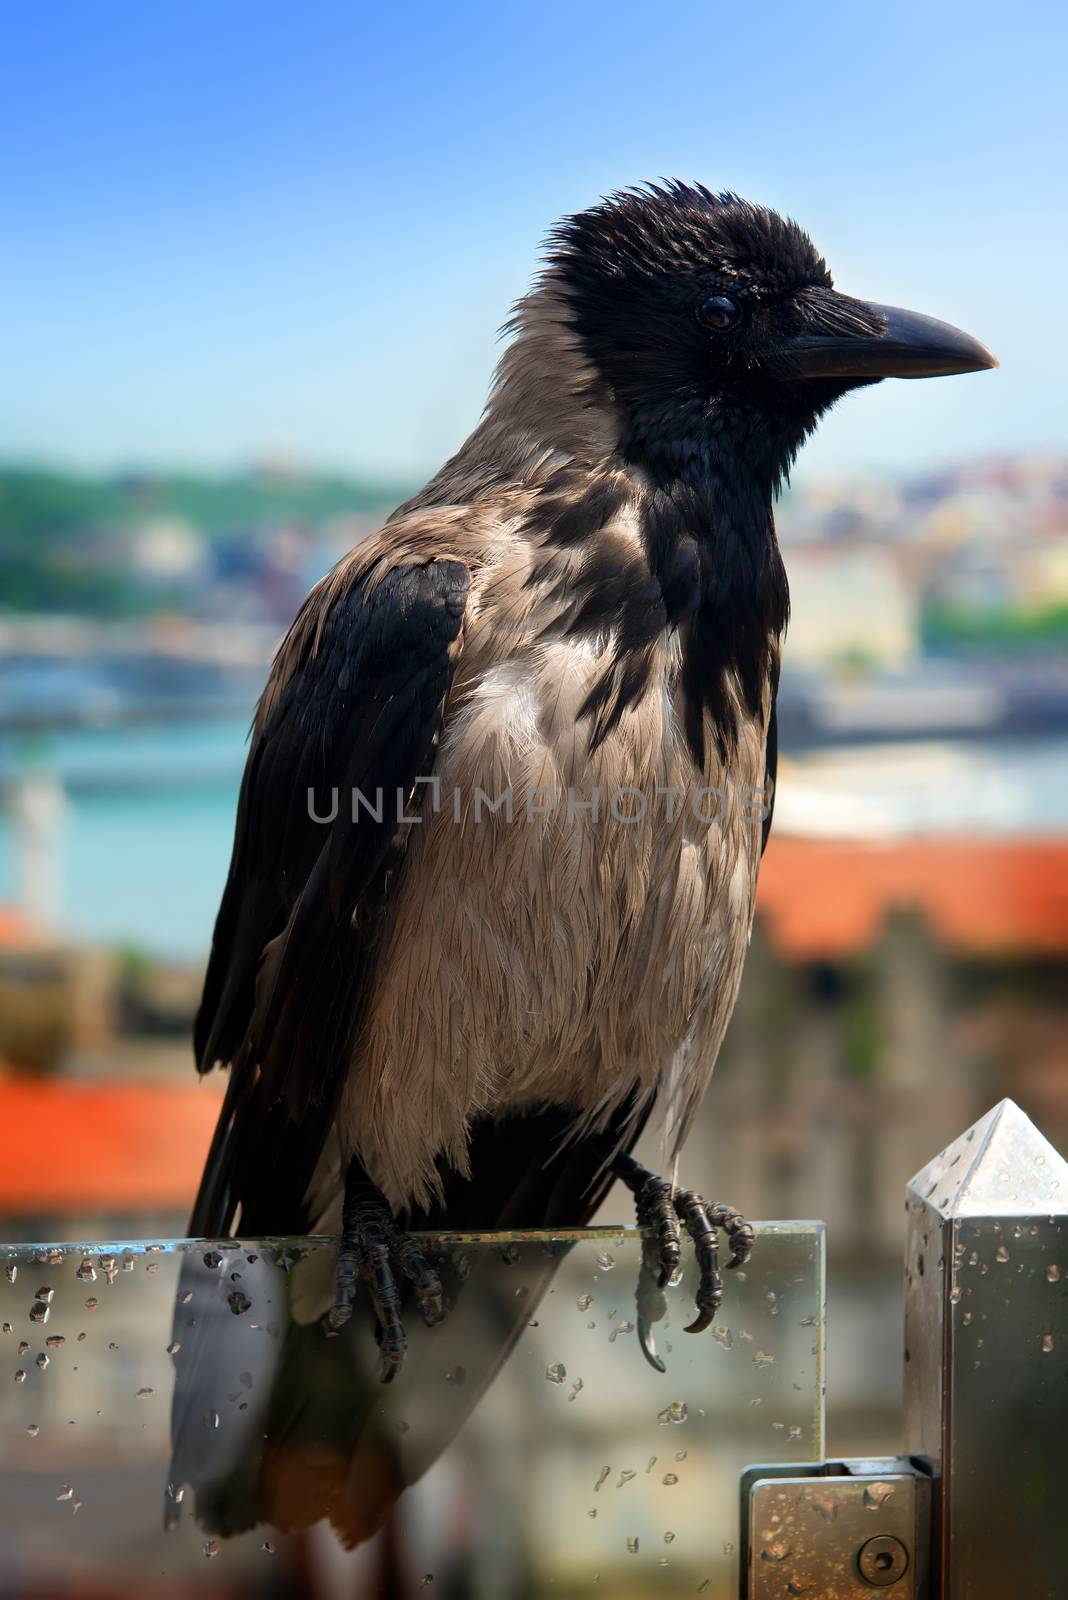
{"x":955,"y":1293}
{"x":426,"y":1580}
{"x":239,"y":1303}
{"x":212,"y":1419}
{"x":267,"y":1547}
{"x":456,"y":1374}
{"x":1053,"y":1272}
{"x":1047,"y":1343}
{"x":650,"y":1464}
{"x":662,"y":1561}
{"x":173,"y":1348}
{"x":92,"y":1303}
{"x":795,"y":1431}
{"x":670,"y":1478}
{"x":211,"y":1548}
{"x":669,"y":1538}
{"x":763,"y":1359}
{"x":592,"y":1511}
{"x":144,"y":1394}
{"x":34,"y":1429}
{"x":86,"y":1272}
{"x":7,"y":1327}
{"x":625,"y":1476}
{"x":676,"y":1412}
{"x":632,"y":1543}
{"x":40,"y":1311}
{"x":723,"y":1338}
{"x":966,"y":1319}
{"x":66,"y":1493}
{"x":621,"y":1327}
{"x":576,"y":1389}
{"x":603,"y":1475}
{"x":41,"y":1361}
{"x":212,"y":1259}
{"x":11,"y":1271}
{"x":23,"y":1347}
{"x":556,"y":1372}
{"x":701,"y":1587}
{"x":605,"y":1261}
{"x":55,"y":1341}
{"x":1001,"y":1253}
{"x":20,"y":1376}
{"x":584,"y":1302}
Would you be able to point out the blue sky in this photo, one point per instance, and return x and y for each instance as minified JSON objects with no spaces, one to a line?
{"x":255,"y":228}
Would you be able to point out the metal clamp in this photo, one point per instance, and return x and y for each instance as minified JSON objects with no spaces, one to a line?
{"x":836,"y":1530}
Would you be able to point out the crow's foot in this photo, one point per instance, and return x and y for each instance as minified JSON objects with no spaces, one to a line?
{"x":661,"y":1207}
{"x":373,"y":1245}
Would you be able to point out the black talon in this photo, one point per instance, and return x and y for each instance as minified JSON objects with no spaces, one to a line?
{"x":371,"y":1241}
{"x":702,"y":1230}
{"x":658,"y":1205}
{"x":421,"y":1274}
{"x":651,"y":1304}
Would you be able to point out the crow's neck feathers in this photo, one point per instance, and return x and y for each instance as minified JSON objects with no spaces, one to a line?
{"x":701,"y":485}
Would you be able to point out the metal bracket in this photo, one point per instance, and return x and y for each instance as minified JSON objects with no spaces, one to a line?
{"x":836,"y":1530}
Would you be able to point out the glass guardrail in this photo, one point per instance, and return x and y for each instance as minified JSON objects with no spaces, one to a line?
{"x":173,"y":1413}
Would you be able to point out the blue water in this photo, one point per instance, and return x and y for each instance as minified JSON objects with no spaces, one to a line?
{"x":145,"y":845}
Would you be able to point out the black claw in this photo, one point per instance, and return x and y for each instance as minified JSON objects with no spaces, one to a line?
{"x":658,"y":1206}
{"x":651,"y":1304}
{"x":702,"y":1230}
{"x":648,"y":1348}
{"x":371,"y":1244}
{"x":421,"y":1274}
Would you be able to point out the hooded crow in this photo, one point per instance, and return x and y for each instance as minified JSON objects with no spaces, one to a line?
{"x":512,"y":773}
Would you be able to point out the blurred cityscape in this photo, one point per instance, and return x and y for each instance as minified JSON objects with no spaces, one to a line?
{"x":908,"y":968}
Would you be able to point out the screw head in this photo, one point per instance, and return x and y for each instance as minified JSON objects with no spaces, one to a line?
{"x":882,"y":1561}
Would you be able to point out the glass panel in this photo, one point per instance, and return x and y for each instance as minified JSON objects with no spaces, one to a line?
{"x":583,"y":1471}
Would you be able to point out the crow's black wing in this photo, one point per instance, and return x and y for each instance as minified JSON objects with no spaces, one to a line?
{"x":771,"y":773}
{"x":355,"y":702}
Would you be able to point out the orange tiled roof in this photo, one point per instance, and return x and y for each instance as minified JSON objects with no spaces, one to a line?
{"x":84,"y":1147}
{"x":14,"y":927}
{"x":825,"y":898}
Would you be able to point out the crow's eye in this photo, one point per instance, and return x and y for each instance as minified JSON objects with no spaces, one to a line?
{"x":718,"y":312}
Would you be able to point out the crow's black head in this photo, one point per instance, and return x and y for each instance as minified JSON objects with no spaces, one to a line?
{"x":703,"y":312}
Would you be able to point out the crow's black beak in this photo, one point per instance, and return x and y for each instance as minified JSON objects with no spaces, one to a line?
{"x":907,"y":345}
